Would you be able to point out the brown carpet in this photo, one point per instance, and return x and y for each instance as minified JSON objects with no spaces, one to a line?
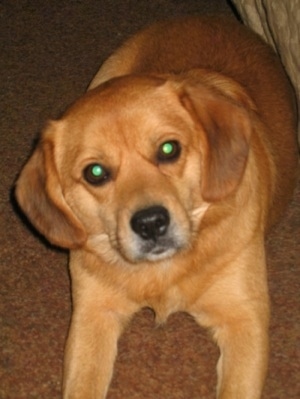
{"x":49,"y":52}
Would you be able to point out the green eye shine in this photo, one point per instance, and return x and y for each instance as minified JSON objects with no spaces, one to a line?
{"x":97,"y":170}
{"x":96,"y":174}
{"x":169,"y":151}
{"x":167,"y":148}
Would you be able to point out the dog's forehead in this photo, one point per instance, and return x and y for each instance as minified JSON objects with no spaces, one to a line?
{"x":119,"y":94}
{"x":123,"y":109}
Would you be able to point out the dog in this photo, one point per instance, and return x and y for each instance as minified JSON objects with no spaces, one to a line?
{"x":163,"y":180}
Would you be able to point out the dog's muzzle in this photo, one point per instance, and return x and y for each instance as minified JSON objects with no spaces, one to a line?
{"x":155,"y":238}
{"x":151,"y":223}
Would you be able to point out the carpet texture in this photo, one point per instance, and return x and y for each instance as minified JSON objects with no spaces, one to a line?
{"x":49,"y":53}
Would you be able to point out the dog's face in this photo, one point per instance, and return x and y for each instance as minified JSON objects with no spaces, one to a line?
{"x":132,"y":167}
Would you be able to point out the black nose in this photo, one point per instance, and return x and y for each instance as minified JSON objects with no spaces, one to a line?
{"x":151,"y":223}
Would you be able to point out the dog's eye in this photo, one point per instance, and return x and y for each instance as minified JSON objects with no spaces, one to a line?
{"x":96,"y":174}
{"x":169,"y":151}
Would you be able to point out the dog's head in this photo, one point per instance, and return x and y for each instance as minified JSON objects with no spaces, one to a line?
{"x":131,"y":168}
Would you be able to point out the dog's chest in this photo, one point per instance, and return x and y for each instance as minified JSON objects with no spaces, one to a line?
{"x":166,"y":303}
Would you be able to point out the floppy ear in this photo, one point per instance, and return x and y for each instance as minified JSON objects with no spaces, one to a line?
{"x":225,"y":129}
{"x":38,"y":192}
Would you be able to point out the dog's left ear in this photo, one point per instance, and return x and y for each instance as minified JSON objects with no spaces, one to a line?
{"x":225,"y":129}
{"x":40,"y":195}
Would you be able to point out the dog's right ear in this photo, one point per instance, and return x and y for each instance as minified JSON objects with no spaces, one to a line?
{"x":39,"y":194}
{"x":220,"y":109}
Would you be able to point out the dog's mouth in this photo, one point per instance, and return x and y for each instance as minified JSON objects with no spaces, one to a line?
{"x":153,"y":235}
{"x":153,"y":250}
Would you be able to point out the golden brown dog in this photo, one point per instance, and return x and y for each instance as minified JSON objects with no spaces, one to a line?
{"x":163,"y":184}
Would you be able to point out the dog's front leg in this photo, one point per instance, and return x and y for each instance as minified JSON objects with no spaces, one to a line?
{"x":90,"y":353}
{"x":243,"y":361}
{"x":243,"y":343}
{"x":97,"y":321}
{"x":236,"y":308}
